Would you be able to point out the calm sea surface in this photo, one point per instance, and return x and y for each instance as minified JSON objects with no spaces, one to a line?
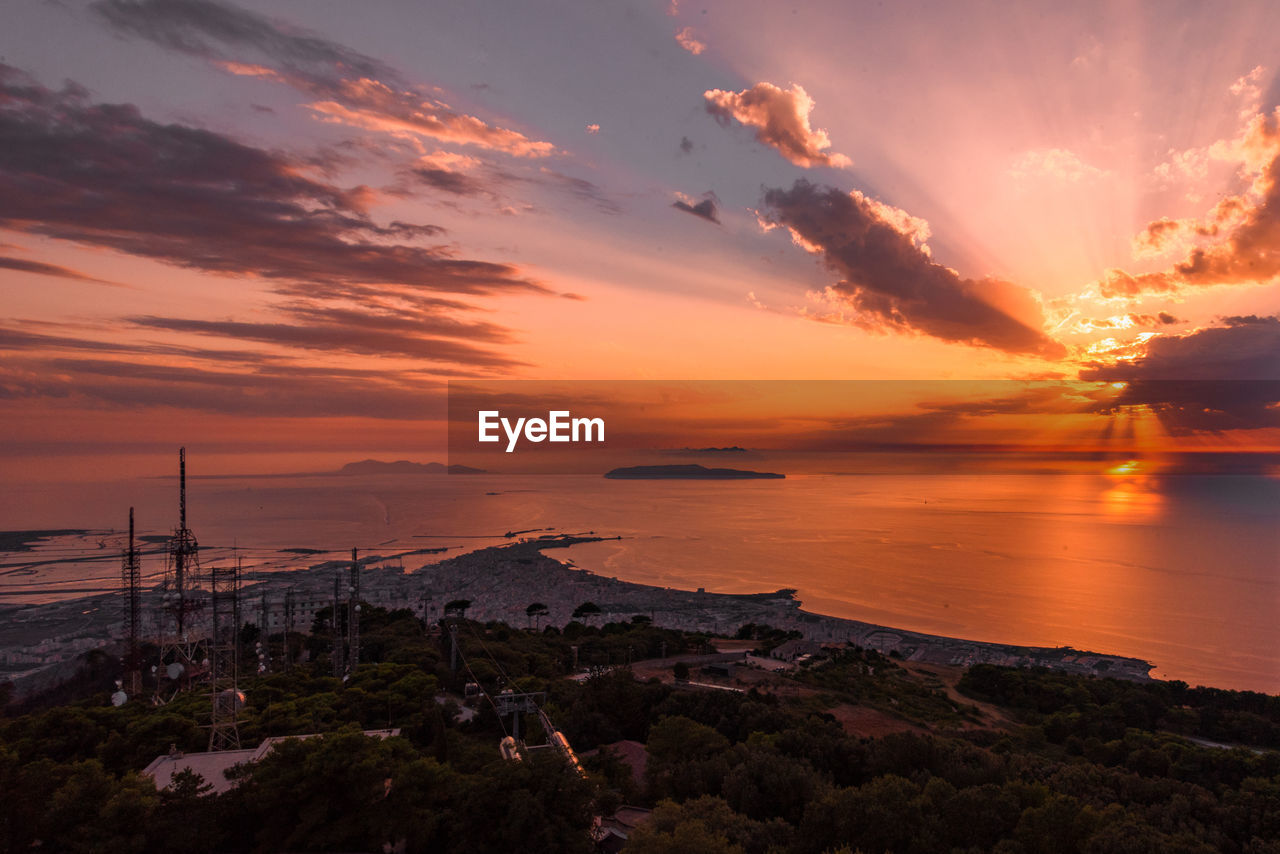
{"x":1183,"y":571}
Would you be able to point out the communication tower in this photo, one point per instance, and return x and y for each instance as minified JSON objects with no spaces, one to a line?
{"x":131,"y":581}
{"x":224,"y":656}
{"x":353,"y":615}
{"x":288,"y":626}
{"x":180,"y":646}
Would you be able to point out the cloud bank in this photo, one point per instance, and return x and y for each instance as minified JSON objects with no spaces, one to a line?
{"x":349,"y":87}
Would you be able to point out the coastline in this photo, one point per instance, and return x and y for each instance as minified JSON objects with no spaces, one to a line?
{"x":501,"y":581}
{"x":523,"y":566}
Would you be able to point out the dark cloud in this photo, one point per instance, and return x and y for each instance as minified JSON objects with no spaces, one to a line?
{"x":39,"y":268}
{"x":365,"y":339}
{"x":104,"y":175}
{"x":468,"y":177}
{"x":352,"y":88}
{"x":260,"y":394}
{"x":1242,"y":348}
{"x":705,"y":208}
{"x":893,"y":283}
{"x":1220,"y":378}
{"x":582,"y":190}
{"x":213,"y":30}
{"x":401,"y":318}
{"x":448,"y":181}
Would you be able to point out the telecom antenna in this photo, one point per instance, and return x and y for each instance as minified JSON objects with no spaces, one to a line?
{"x":224,"y":657}
{"x":353,"y":615}
{"x":179,"y":649}
{"x":131,"y":581}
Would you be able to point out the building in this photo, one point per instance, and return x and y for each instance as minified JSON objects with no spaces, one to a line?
{"x":793,"y":649}
{"x":213,"y":766}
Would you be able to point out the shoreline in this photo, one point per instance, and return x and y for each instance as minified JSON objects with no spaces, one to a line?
{"x":501,"y":581}
{"x":723,"y":613}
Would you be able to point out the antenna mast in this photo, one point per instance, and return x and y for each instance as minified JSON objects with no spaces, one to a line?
{"x":179,"y":652}
{"x":337,"y":632}
{"x":131,"y":581}
{"x":224,"y":658}
{"x":353,"y":615}
{"x":288,"y":625}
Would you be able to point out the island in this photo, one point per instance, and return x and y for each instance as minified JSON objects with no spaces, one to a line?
{"x":688,"y":472}
{"x":405,"y":467}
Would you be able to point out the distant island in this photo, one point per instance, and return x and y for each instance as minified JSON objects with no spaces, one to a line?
{"x":688,"y":472}
{"x":405,"y":467}
{"x":362,"y":467}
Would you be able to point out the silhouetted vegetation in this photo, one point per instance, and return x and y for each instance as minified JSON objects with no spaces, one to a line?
{"x":1088,"y":765}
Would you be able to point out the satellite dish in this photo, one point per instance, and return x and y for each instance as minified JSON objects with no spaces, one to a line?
{"x":119,"y":698}
{"x":174,"y":669}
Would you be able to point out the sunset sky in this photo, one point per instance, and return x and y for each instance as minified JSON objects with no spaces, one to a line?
{"x":273,"y":231}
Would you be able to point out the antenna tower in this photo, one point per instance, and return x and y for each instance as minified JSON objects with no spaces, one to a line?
{"x":181,"y":579}
{"x":131,"y":581}
{"x":288,"y":625}
{"x":353,"y":615}
{"x":224,"y":589}
{"x":337,"y":633}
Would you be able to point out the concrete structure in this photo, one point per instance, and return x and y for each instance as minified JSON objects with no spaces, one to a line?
{"x":793,"y":649}
{"x":213,"y":766}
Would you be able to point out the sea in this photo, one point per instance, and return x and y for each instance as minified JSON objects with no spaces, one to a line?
{"x":1180,"y":570}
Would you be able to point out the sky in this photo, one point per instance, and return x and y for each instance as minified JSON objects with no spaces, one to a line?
{"x":274,"y":231}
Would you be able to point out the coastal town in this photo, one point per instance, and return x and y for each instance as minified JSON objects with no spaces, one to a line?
{"x":41,"y":643}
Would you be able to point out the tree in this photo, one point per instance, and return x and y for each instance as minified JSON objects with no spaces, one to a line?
{"x":681,"y":671}
{"x":586,"y":611}
{"x":535,"y":611}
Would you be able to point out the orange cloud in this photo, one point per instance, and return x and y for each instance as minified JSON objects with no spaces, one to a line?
{"x":373,"y":105}
{"x":1246,"y":228}
{"x":688,"y":40}
{"x":352,"y":88}
{"x":781,"y":120}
